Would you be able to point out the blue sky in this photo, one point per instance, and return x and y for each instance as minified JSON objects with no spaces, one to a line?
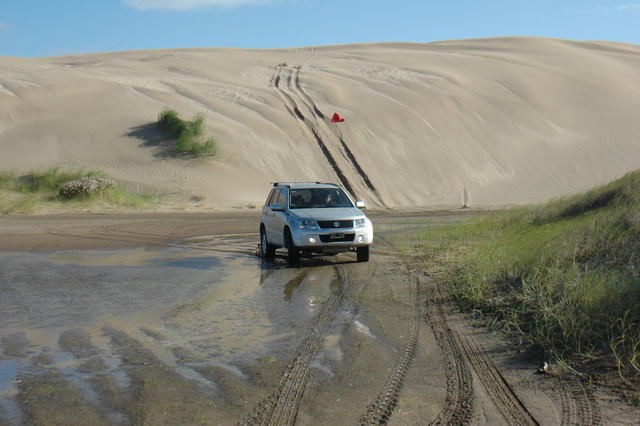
{"x":33,"y":28}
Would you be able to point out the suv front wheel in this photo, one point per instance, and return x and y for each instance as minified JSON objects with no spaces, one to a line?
{"x":293,"y":252}
{"x":363,"y":254}
{"x":267,"y":250}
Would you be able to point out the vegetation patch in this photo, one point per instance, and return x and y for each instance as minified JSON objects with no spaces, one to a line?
{"x":56,"y":187}
{"x":85,"y":186}
{"x":564,"y":275}
{"x":188,"y":135}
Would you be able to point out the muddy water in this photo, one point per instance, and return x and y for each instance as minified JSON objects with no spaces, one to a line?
{"x":76,"y":316}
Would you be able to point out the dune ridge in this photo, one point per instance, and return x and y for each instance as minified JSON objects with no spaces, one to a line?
{"x":484,"y":123}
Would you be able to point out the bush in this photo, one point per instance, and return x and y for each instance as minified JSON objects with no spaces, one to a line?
{"x":196,"y":126}
{"x":85,"y":187}
{"x":171,"y":124}
{"x":187,"y":134}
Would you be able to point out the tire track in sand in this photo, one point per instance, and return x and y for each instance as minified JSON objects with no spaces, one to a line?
{"x":315,"y":122}
{"x":293,"y":109}
{"x":337,"y":134}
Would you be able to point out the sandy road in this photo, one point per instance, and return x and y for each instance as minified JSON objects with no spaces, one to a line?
{"x":373,"y":343}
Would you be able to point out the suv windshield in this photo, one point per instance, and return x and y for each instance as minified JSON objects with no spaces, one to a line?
{"x":305,"y":198}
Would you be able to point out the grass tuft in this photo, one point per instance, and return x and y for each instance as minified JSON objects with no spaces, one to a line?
{"x":49,"y":179}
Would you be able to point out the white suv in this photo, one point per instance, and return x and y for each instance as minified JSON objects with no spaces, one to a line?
{"x":313,"y":217}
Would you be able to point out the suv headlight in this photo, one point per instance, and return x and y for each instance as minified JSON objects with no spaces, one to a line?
{"x":361,"y":223}
{"x":307,"y":224}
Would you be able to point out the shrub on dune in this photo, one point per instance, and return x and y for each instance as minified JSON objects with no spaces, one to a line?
{"x":187,"y":134}
{"x":85,"y":186}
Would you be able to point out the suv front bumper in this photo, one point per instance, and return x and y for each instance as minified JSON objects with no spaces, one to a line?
{"x":321,"y":239}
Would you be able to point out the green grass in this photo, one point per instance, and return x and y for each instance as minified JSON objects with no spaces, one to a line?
{"x":564,"y":275}
{"x":187,"y":135}
{"x":6,"y":179}
{"x":48,"y":180}
{"x":40,"y":190}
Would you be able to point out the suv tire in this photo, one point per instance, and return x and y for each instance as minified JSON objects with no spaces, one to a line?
{"x":293,"y":253}
{"x":363,"y":254}
{"x":267,"y":250}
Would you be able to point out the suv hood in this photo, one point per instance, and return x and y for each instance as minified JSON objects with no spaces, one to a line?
{"x":329,"y":213}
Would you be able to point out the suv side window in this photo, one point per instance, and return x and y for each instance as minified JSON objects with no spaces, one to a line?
{"x":281,"y":199}
{"x":270,"y":197}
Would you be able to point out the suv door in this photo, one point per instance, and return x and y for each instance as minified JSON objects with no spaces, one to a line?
{"x":276,"y":219}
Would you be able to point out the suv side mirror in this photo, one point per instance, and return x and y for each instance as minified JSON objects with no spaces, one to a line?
{"x":360,"y":204}
{"x":277,"y":207}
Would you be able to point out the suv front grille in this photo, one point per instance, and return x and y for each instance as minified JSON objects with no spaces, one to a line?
{"x":331,"y":224}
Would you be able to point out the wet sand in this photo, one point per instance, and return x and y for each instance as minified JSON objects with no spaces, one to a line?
{"x":172,"y":318}
{"x":118,"y":230}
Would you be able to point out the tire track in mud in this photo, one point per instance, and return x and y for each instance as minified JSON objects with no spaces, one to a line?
{"x":229,"y":243}
{"x":112,"y":234}
{"x":458,"y":405}
{"x":578,"y":401}
{"x":316,"y":125}
{"x":380,"y":410}
{"x":579,"y":406}
{"x":460,"y":351}
{"x":281,"y":407}
{"x":502,"y":395}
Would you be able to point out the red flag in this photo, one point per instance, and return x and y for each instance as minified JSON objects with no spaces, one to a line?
{"x":336,"y":118}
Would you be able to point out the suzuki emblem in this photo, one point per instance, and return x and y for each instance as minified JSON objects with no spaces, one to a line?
{"x":336,"y":224}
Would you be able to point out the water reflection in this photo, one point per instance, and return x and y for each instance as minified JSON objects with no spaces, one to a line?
{"x":190,"y":308}
{"x":293,"y":283}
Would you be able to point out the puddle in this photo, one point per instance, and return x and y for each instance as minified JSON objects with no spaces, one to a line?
{"x":172,"y":258}
{"x":61,"y":289}
{"x":332,"y":347}
{"x":189,"y":308}
{"x":8,"y":372}
{"x":244,"y":319}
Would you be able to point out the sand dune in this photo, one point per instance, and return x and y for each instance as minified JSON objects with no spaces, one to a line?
{"x":487,"y":122}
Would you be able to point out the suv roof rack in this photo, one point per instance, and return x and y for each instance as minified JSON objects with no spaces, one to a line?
{"x":317,"y":182}
{"x":294,"y":182}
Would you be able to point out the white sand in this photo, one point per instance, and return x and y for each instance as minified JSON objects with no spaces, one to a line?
{"x":486,"y":122}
